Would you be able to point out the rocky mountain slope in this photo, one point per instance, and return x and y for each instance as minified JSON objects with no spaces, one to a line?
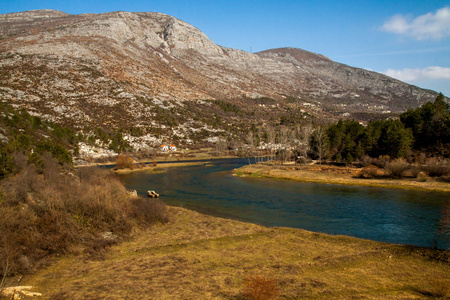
{"x":156,"y":77}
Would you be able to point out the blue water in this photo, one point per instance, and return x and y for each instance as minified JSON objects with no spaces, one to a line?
{"x":388,"y":215}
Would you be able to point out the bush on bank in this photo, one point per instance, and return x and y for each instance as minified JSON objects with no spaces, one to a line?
{"x":52,"y":212}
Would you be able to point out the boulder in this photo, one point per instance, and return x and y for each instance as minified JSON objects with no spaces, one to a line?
{"x":132,"y":193}
{"x":152,"y":194}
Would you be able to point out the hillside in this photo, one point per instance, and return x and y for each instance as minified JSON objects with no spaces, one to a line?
{"x":154,"y":78}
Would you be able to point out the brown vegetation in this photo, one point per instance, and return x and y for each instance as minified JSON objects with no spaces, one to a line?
{"x":436,"y":167}
{"x":61,"y":211}
{"x":195,"y":256}
{"x":397,"y":168}
{"x":384,"y":167}
{"x":260,"y":288}
{"x":370,"y":171}
{"x":367,"y":176}
{"x":124,"y":162}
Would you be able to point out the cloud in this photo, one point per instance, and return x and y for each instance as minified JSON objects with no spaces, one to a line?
{"x":412,"y":75}
{"x":399,"y":52}
{"x":429,"y":26}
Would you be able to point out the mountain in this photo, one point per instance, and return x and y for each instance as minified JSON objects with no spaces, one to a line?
{"x":155,"y":77}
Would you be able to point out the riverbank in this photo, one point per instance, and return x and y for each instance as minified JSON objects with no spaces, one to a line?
{"x":192,"y":155}
{"x":197,"y":256}
{"x":337,"y":175}
{"x":158,"y":167}
{"x":161,"y":162}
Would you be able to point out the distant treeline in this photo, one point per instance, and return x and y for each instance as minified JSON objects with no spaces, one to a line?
{"x":422,"y":130}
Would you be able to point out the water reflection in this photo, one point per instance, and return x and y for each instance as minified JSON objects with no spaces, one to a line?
{"x":395,"y":216}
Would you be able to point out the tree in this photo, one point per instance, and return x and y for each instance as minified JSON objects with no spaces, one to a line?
{"x":305,"y":138}
{"x":250,"y":142}
{"x":270,"y":132}
{"x":6,"y":162}
{"x":284,"y":139}
{"x":319,"y":143}
{"x":430,"y":126}
{"x":345,"y":140}
{"x":389,"y":137}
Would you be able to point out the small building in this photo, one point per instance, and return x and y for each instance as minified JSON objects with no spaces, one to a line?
{"x":167,"y":148}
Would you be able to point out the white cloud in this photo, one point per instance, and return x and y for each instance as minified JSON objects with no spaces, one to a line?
{"x":412,"y":75}
{"x":429,"y":26}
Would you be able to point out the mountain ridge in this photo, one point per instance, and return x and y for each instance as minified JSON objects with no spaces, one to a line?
{"x":103,"y":70}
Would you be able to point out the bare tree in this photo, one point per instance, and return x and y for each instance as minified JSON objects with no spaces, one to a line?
{"x":284,"y":141}
{"x":321,"y":143}
{"x":305,"y":138}
{"x":271,"y":140}
{"x":250,"y":142}
{"x":221,"y":146}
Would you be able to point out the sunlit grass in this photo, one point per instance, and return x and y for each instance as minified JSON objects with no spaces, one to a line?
{"x":196,"y":256}
{"x":304,"y":174}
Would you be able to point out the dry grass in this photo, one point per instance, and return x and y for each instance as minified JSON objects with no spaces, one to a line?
{"x":50,"y":214}
{"x":336,"y":175}
{"x":195,"y":256}
{"x":157,"y":168}
{"x":260,"y":288}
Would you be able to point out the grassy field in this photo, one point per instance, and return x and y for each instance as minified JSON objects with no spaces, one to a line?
{"x":336,"y":175}
{"x":196,"y":256}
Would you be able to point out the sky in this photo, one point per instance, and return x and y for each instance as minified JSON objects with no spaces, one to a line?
{"x":405,"y":39}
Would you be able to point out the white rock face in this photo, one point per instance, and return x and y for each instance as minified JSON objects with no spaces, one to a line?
{"x":174,"y":58}
{"x":114,"y":69}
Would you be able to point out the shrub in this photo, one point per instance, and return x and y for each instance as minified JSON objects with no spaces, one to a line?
{"x":366,"y":160}
{"x":381,"y":161}
{"x":436,"y":167}
{"x":43,"y":214}
{"x":397,"y":168}
{"x":123,"y":161}
{"x":260,"y":288}
{"x":414,"y":171}
{"x":150,"y":210}
{"x":370,"y":171}
{"x":422,"y":177}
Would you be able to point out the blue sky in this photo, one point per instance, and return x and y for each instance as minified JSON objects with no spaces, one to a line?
{"x":406,"y":39}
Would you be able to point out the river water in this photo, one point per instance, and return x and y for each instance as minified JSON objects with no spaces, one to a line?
{"x":388,"y":215}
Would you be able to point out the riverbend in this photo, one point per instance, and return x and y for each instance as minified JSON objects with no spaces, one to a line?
{"x":389,"y":215}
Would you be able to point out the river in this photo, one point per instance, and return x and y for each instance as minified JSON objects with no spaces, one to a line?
{"x":388,"y":215}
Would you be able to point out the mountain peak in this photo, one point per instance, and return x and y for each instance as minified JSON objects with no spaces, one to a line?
{"x":107,"y":69}
{"x":296,"y":53}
